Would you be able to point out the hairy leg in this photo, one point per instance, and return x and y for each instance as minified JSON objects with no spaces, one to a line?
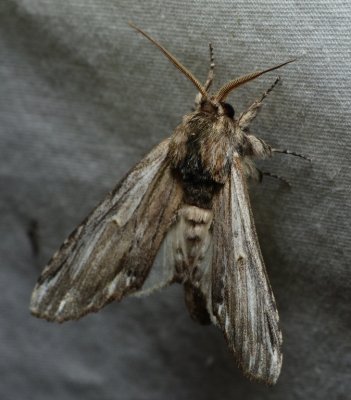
{"x":250,"y":114}
{"x":261,"y":174}
{"x":292,"y":153}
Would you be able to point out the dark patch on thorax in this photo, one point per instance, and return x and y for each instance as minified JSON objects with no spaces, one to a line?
{"x":197,"y":182}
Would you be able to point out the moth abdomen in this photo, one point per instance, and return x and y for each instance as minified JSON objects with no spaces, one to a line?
{"x":196,"y":304}
{"x":196,"y":215}
{"x":190,"y":238}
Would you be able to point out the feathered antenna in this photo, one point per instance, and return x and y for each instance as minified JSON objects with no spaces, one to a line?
{"x":231,"y":85}
{"x":181,"y":67}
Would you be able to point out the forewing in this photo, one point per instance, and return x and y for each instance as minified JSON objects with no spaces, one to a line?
{"x":109,"y":255}
{"x":242,"y":300}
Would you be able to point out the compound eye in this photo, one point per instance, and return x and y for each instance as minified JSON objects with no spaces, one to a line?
{"x":228,"y":110}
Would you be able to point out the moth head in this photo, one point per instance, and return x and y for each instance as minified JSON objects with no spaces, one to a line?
{"x":214,"y":104}
{"x":210,"y":106}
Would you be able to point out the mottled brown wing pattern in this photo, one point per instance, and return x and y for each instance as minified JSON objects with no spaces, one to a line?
{"x":110,"y":254}
{"x":242,"y":300}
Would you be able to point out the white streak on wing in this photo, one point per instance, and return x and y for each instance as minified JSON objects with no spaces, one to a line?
{"x":127,"y":209}
{"x":40,"y":291}
{"x":111,"y":288}
{"x":61,"y":306}
{"x":85,"y":253}
{"x":113,"y":285}
{"x":67,"y":300}
{"x":251,"y":304}
{"x":140,"y":232}
{"x":260,"y":351}
{"x":252,"y":315}
{"x":274,"y":363}
{"x":227,"y":326}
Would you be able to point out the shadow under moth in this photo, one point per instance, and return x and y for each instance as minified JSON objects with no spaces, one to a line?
{"x":188,"y":198}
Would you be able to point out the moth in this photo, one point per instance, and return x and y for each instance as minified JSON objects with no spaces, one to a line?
{"x":187,"y":198}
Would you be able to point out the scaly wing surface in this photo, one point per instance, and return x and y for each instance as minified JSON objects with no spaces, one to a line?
{"x":243,"y":304}
{"x":110,"y":254}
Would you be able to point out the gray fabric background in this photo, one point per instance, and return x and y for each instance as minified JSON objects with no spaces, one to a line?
{"x":83,"y":97}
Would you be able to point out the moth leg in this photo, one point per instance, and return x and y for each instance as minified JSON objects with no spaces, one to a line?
{"x":210,"y":77}
{"x":250,"y":114}
{"x":256,"y":147}
{"x":273,"y":85}
{"x":284,"y":151}
{"x":261,"y":174}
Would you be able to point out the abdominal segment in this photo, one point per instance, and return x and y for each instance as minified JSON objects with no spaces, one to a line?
{"x":191,"y":239}
{"x":191,"y":242}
